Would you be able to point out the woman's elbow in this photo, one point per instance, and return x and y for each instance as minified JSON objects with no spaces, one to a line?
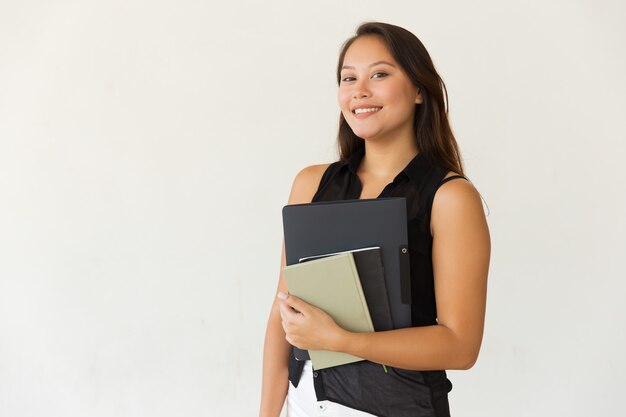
{"x":467,"y":359}
{"x":465,"y":355}
{"x":468,"y":364}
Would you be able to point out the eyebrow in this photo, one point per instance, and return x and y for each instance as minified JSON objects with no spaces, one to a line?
{"x":370,"y":65}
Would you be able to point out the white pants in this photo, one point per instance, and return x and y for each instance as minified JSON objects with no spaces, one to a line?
{"x":301,"y":401}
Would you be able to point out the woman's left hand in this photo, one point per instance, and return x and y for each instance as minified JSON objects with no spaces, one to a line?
{"x":306,"y":326}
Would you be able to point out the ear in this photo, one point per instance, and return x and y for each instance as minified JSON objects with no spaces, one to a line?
{"x":418,"y":97}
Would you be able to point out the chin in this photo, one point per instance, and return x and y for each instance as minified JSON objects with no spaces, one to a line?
{"x":369,"y":137}
{"x":365,"y":134}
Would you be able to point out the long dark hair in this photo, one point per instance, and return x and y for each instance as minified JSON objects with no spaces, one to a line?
{"x":433,"y":135}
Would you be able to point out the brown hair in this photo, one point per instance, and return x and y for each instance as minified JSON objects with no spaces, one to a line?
{"x":433,"y":135}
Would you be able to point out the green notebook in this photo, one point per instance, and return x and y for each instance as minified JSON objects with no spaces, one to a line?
{"x":333,"y":285}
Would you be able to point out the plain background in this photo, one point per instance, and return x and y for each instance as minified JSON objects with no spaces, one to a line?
{"x":147,"y":149}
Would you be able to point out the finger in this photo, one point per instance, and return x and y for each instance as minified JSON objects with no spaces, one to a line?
{"x":285,"y":311}
{"x":282,"y":298}
{"x":287,"y":314}
{"x":285,"y":327}
{"x":295,"y":303}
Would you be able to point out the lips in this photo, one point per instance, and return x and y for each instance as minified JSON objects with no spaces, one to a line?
{"x":362,"y":112}
{"x":362,"y":108}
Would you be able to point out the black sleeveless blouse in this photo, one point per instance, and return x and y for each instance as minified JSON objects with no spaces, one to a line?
{"x":364,"y":385}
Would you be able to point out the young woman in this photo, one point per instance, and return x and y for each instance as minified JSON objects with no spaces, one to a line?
{"x":394,"y":141}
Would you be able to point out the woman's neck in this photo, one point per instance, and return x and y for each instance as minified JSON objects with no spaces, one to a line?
{"x":386,"y":160}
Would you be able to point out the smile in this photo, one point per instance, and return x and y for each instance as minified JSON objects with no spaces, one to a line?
{"x":368,"y":110}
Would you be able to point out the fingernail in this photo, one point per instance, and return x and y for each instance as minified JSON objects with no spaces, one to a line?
{"x":282,"y":295}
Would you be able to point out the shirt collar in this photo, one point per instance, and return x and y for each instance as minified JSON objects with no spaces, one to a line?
{"x":415,"y":169}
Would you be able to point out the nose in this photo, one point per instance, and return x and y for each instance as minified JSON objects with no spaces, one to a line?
{"x":360,"y":90}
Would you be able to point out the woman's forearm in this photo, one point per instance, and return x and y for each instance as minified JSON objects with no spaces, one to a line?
{"x":419,"y":348}
{"x":275,"y":367}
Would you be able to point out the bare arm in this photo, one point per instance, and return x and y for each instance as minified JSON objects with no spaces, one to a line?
{"x":276,"y":349}
{"x":275,"y":359}
{"x":461,"y":252}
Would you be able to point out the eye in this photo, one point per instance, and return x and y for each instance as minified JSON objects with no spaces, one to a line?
{"x":382,"y":75}
{"x":348,"y":79}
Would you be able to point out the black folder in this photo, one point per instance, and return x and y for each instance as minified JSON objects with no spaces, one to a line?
{"x":334,"y":226}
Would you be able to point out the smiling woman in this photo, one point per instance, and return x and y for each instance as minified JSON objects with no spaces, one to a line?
{"x":394,"y":140}
{"x":378,"y":93}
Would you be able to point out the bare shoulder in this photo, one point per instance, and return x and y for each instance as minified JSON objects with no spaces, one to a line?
{"x":305,"y":183}
{"x":457,"y":190}
{"x":457,"y":200}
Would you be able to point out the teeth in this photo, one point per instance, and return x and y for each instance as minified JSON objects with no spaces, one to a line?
{"x":372,"y":109}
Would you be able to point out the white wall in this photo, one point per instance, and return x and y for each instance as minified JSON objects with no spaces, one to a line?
{"x":147,"y":148}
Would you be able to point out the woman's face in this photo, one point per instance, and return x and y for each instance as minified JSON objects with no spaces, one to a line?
{"x":376,"y":97}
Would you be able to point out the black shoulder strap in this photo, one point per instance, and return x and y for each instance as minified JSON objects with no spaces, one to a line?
{"x":443,"y":181}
